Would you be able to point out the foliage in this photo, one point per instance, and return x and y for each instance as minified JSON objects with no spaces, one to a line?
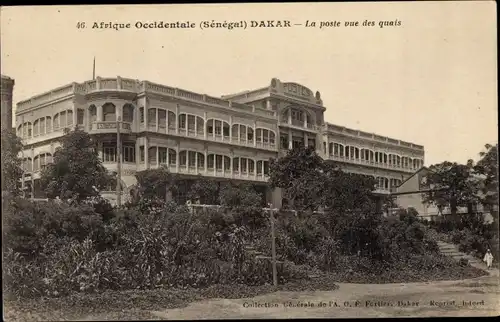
{"x":452,"y":186}
{"x":11,"y":162}
{"x":309,"y":182}
{"x":152,"y":184}
{"x":76,"y":172}
{"x":488,"y":167}
{"x":205,"y":191}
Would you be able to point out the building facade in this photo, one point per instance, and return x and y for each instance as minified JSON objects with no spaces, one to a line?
{"x":229,"y":137}
{"x":7,"y":90}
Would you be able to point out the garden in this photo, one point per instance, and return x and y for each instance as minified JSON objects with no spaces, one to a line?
{"x":78,"y":250}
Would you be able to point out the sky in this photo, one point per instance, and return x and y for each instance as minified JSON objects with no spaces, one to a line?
{"x":431,"y":81}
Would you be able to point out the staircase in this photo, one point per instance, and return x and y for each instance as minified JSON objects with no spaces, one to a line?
{"x":452,"y":251}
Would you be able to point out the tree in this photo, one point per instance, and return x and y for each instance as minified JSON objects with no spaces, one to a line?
{"x":299,"y":174}
{"x":153,"y":183}
{"x":205,"y":191}
{"x":452,"y":186}
{"x":11,"y":163}
{"x":487,"y":167}
{"x":76,"y":172}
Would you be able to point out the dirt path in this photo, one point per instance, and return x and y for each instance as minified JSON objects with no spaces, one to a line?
{"x":358,"y":300}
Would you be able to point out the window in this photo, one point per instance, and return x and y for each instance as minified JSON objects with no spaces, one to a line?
{"x":199,"y":124}
{"x":236,"y":131}
{"x":225,"y":129}
{"x":171,"y":119}
{"x":251,"y":166}
{"x":69,"y":117}
{"x":266,"y":168}
{"x":141,"y":114}
{"x":172,"y":157}
{"x":211,"y":161}
{"x":250,"y":134}
{"x":163,"y":154}
{"x":218,"y":162}
{"x":56,"y":121}
{"x":141,"y":152}
{"x":191,"y":122}
{"x":35,"y":128}
{"x":128,"y":113}
{"x":259,"y":167}
{"x":36,"y":163}
{"x":183,"y":158}
{"x":236,"y":164}
{"x":80,"y":116}
{"x":218,"y":127}
{"x":227,"y":163}
{"x":182,"y":121}
{"x":152,"y":117}
{"x":162,"y":118}
{"x":109,"y":153}
{"x":152,"y":154}
{"x":201,"y":160}
{"x":192,"y":159}
{"x":210,"y":127}
{"x":128,"y":153}
{"x":259,"y":135}
{"x":272,"y":138}
{"x":243,"y":132}
{"x":43,"y":121}
{"x":62,"y":119}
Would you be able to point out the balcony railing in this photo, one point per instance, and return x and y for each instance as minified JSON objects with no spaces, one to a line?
{"x":102,"y":126}
{"x":371,"y":163}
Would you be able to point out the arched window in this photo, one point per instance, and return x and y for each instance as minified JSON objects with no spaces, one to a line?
{"x":172,"y":156}
{"x":109,"y":112}
{"x":48,"y":124}
{"x":236,"y":164}
{"x":259,"y":167}
{"x":227,"y":163}
{"x":272,"y":138}
{"x":191,"y":123}
{"x":235,"y":131}
{"x":42,"y":125}
{"x":69,"y":117}
{"x":152,"y":154}
{"x":162,"y":118}
{"x":225,"y":129}
{"x":251,"y":166}
{"x":152,"y":116}
{"x":141,"y":114}
{"x":93,"y":113}
{"x":128,"y":113}
{"x":211,"y":161}
{"x":183,"y":158}
{"x":80,"y":116}
{"x":243,"y":132}
{"x":35,"y":128}
{"x":62,"y":119}
{"x":201,"y":160}
{"x":200,"y":124}
{"x":171,"y":120}
{"x":182,"y":121}
{"x":56,"y":121}
{"x":250,"y":134}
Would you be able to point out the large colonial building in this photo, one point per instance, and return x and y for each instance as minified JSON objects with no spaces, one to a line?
{"x":231,"y":137}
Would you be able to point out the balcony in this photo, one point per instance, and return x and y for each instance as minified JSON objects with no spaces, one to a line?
{"x":301,"y":125}
{"x":372,"y":163}
{"x":110,"y":127}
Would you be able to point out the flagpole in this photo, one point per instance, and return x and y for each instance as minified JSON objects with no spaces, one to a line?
{"x":93,"y":70}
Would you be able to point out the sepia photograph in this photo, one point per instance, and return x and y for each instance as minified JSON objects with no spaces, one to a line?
{"x":249,"y":161}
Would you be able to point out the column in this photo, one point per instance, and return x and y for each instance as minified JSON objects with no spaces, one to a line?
{"x":99,"y":113}
{"x":255,"y":169}
{"x":205,"y":160}
{"x":157,"y":120}
{"x":75,"y":118}
{"x":305,"y":120}
{"x":213,"y":130}
{"x":146,"y":152}
{"x":230,"y":129}
{"x":99,"y":150}
{"x":177,"y":119}
{"x":263,"y":168}
{"x":254,"y":133}
{"x":290,"y":141}
{"x":187,"y":124}
{"x":166,"y":121}
{"x":247,"y":170}
{"x":290,"y":116}
{"x":195,"y":125}
{"x":146,"y":115}
{"x":187,"y":160}
{"x":215,"y":163}
{"x":177,"y":154}
{"x":223,"y":165}
{"x":231,"y":161}
{"x":196,"y":160}
{"x":306,"y":143}
{"x":157,"y":154}
{"x":137,"y":153}
{"x":205,"y":129}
